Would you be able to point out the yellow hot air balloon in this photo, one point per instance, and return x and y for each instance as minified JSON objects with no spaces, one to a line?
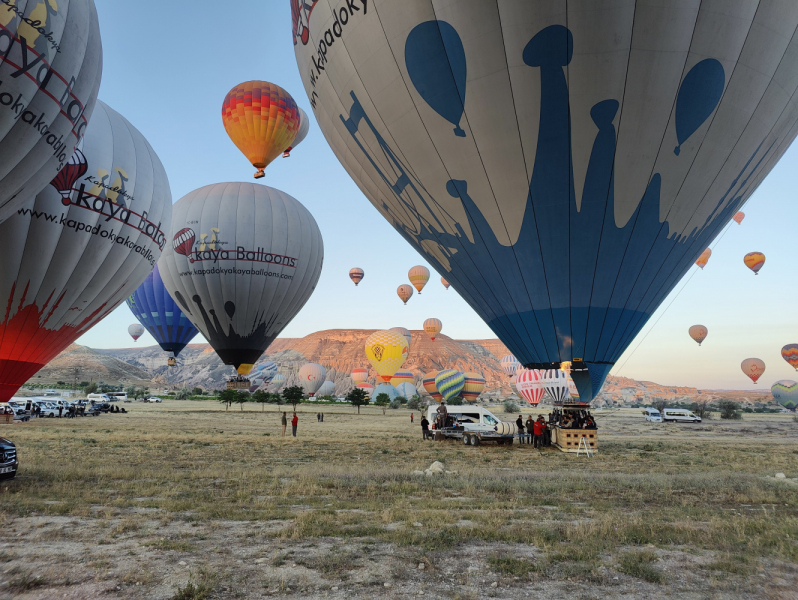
{"x":404,"y":291}
{"x":419,"y":276}
{"x":704,"y":258}
{"x":445,"y":283}
{"x":262,"y":119}
{"x":433,"y":327}
{"x":387,"y":352}
{"x":754,"y":261}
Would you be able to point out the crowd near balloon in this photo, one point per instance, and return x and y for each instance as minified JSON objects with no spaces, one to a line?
{"x":512,"y":179}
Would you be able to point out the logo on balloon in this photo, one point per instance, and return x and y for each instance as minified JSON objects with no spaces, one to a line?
{"x":183,"y":242}
{"x":300,"y":18}
{"x":378,"y":350}
{"x":66,"y":178}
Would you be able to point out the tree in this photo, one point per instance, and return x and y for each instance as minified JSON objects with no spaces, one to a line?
{"x":414,"y":403}
{"x":729,"y":410}
{"x":395,"y":404}
{"x":382,"y":400}
{"x":242,"y":397}
{"x":262,"y":397}
{"x":182,"y":394}
{"x":358,"y":397}
{"x":294,"y":395}
{"x":276,"y":398}
{"x":701,"y":408}
{"x":456,"y":401}
{"x":227,"y":397}
{"x":90,"y":389}
{"x":130,"y":390}
{"x":510,"y":406}
{"x":402,"y":399}
{"x":197,"y":391}
{"x":660,"y":405}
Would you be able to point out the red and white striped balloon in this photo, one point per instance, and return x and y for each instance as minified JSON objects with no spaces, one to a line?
{"x":530,"y":385}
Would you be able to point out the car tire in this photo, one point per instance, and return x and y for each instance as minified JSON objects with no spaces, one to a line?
{"x":475,"y":440}
{"x":467,"y":440}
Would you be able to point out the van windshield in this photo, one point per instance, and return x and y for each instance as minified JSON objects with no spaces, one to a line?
{"x":490,"y":420}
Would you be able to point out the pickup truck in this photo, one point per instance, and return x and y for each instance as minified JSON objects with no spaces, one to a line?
{"x":473,"y":425}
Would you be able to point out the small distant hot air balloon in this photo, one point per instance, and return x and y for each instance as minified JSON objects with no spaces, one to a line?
{"x":406,"y":390}
{"x":386,"y":388}
{"x":311,"y":377}
{"x":429,"y":384}
{"x":404,"y":332}
{"x":753,"y":367}
{"x":754,"y":261}
{"x":419,"y":276}
{"x":473,"y":386}
{"x":266,"y":370}
{"x":509,"y":364}
{"x":402,"y":377}
{"x":785,"y":392}
{"x":135,"y":331}
{"x":445,"y":283}
{"x":359,"y":375}
{"x":790,"y":354}
{"x":366,"y":387}
{"x":356,"y":275}
{"x":449,"y":383}
{"x":304,"y":127}
{"x":277,"y":381}
{"x":404,"y":291}
{"x":698,"y":333}
{"x":555,"y":382}
{"x":326,"y":389}
{"x":704,"y":258}
{"x":262,"y":119}
{"x":433,"y":327}
{"x":529,"y":384}
{"x":739,"y":217}
{"x":387,"y":352}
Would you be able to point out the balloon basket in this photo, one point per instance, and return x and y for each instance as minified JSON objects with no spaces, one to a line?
{"x":6,"y":419}
{"x":568,"y":440}
{"x":238,"y":383}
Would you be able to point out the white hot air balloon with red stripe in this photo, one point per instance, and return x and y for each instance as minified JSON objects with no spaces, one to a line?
{"x":529,"y":384}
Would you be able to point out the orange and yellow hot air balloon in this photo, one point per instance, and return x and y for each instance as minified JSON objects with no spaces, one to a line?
{"x":704,"y":258}
{"x":432,"y":327}
{"x":445,"y":283}
{"x":754,"y":261}
{"x":739,"y":217}
{"x":262,"y":119}
{"x":418,"y":276}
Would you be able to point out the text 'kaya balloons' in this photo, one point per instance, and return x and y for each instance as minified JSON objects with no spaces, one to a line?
{"x":243,"y":259}
{"x":152,"y":305}
{"x":698,"y":333}
{"x":387,"y":352}
{"x":492,"y":141}
{"x":50,"y":69}
{"x":262,"y":120}
{"x":78,"y":249}
{"x":753,"y":368}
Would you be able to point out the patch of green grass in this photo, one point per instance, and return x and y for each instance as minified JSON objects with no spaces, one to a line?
{"x":165,"y":544}
{"x":198,"y":588}
{"x":640,"y":564}
{"x":509,"y":565}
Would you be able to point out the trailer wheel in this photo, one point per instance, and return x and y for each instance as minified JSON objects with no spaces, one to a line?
{"x":475,"y":440}
{"x":467,"y":440}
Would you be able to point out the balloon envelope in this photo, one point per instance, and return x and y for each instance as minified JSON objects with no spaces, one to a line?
{"x":267,"y":370}
{"x":432,"y":327}
{"x":304,"y":127}
{"x":449,"y":383}
{"x":80,"y":247}
{"x":428,"y":382}
{"x":155,"y":309}
{"x":753,"y":368}
{"x":418,"y":276}
{"x":50,"y":72}
{"x":472,"y":386}
{"x":445,"y":283}
{"x":311,"y":377}
{"x":739,"y":217}
{"x":277,"y":381}
{"x":785,"y":392}
{"x":404,"y":332}
{"x":754,"y":261}
{"x":262,"y":120}
{"x":509,"y":364}
{"x":790,"y":354}
{"x":698,"y":333}
{"x":359,"y":375}
{"x":406,"y":390}
{"x":540,"y":161}
{"x":387,"y":352}
{"x":135,"y":331}
{"x":356,"y":275}
{"x":704,"y":258}
{"x":385,"y":388}
{"x":326,"y":389}
{"x":366,"y":387}
{"x":404,"y":291}
{"x":243,"y":260}
{"x":555,"y":384}
{"x":529,"y":384}
{"x":402,"y":377}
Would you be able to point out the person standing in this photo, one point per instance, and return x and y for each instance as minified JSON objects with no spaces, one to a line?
{"x":322,"y":417}
{"x":537,"y":428}
{"x":519,"y":425}
{"x":318,"y":417}
{"x":285,"y":422}
{"x":411,"y":418}
{"x":60,"y":410}
{"x":424,"y":427}
{"x":530,"y":428}
{"x":294,"y":423}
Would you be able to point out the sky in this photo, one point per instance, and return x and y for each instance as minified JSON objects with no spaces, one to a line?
{"x":167,"y":67}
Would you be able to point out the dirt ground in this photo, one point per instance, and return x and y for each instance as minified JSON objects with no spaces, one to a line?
{"x":188,"y":501}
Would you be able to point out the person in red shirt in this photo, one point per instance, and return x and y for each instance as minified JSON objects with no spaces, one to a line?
{"x":538,"y":427}
{"x":294,"y":423}
{"x":411,"y":418}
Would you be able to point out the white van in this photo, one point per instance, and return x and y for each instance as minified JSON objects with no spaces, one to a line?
{"x":652,"y":415}
{"x":98,"y":398}
{"x":680,"y":415}
{"x":471,"y":418}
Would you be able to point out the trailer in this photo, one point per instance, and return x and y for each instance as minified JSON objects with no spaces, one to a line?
{"x":471,"y":424}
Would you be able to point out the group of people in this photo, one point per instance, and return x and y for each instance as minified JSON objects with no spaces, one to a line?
{"x":573,"y":419}
{"x":537,"y":430}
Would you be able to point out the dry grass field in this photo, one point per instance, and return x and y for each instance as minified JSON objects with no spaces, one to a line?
{"x":187,"y":501}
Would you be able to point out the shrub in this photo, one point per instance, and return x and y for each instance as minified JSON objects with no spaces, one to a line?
{"x":729,"y":410}
{"x":182,"y":394}
{"x":395,"y":403}
{"x":510,"y":406}
{"x":414,"y":403}
{"x":456,"y":401}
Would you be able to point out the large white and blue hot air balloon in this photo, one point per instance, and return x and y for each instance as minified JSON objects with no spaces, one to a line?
{"x":562,"y":164}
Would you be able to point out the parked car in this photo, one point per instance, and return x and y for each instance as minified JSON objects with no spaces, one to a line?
{"x":8,"y":459}
{"x":680,"y":415}
{"x":154,"y":399}
{"x":47,"y":409}
{"x":652,"y":415}
{"x":20,"y":414}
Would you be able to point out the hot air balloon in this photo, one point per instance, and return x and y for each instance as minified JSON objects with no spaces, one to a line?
{"x":304,"y":127}
{"x":509,"y":364}
{"x":135,"y":331}
{"x":790,"y":354}
{"x":449,"y":383}
{"x":432,"y":327}
{"x":262,"y":119}
{"x":754,"y":261}
{"x":555,"y":384}
{"x":739,"y":217}
{"x":785,"y":392}
{"x":402,"y":377}
{"x":404,"y":291}
{"x":445,"y":283}
{"x":327,"y":389}
{"x":366,"y":387}
{"x":311,"y":377}
{"x":698,"y":333}
{"x":428,"y":381}
{"x":385,"y":388}
{"x":267,"y":370}
{"x":472,"y":386}
{"x":277,"y":381}
{"x":66,"y":266}
{"x":404,"y":332}
{"x":359,"y":375}
{"x":254,"y":258}
{"x":704,"y":258}
{"x":529,"y":384}
{"x":406,"y":390}
{"x":356,"y":275}
{"x":50,"y":72}
{"x":753,"y":368}
{"x":418,"y":276}
{"x":387,"y":352}
{"x":152,"y":305}
{"x":549,"y":165}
